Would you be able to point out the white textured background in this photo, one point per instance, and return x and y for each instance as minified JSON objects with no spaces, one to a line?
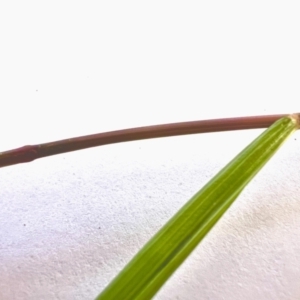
{"x":69,"y":223}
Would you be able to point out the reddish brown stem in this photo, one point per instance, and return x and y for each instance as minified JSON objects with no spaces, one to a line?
{"x":30,"y":153}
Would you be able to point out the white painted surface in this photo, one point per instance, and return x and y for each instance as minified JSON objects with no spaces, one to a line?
{"x":69,"y":223}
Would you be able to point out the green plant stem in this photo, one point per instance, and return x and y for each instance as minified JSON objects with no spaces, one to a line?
{"x":160,"y":257}
{"x":31,"y":152}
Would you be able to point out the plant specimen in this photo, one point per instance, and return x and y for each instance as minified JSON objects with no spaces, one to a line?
{"x":159,"y":258}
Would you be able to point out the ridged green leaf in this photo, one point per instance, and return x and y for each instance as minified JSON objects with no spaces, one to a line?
{"x":159,"y":258}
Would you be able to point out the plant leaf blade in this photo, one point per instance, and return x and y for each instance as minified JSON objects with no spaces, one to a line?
{"x":159,"y":258}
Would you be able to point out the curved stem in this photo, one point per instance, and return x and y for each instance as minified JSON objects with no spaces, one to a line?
{"x":32,"y":152}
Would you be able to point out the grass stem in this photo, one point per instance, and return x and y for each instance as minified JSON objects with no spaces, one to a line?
{"x":32,"y":152}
